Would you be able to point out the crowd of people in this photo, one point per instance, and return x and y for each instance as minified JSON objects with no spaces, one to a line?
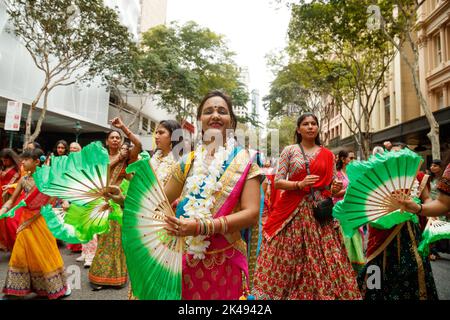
{"x":219,"y":190}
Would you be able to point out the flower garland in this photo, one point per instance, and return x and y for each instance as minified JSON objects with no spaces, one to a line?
{"x":203,"y":183}
{"x":163,"y":165}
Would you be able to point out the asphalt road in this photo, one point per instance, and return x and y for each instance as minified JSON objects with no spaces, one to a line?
{"x":82,"y":291}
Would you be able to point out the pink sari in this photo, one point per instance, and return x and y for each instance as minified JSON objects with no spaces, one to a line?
{"x":223,"y":274}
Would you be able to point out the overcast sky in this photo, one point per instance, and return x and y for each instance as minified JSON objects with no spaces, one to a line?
{"x":253,"y":28}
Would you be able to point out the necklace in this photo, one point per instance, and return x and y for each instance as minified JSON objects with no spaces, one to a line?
{"x":162,"y":165}
{"x":203,"y":183}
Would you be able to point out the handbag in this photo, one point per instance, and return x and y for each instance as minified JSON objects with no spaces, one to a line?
{"x":323,"y":210}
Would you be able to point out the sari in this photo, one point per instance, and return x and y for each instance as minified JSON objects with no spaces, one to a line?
{"x":301,"y":258}
{"x":8,"y":226}
{"x":36,"y":264}
{"x":223,"y":273}
{"x":109,"y":264}
{"x":405,"y":274}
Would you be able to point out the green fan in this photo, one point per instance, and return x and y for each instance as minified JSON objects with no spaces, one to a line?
{"x":54,"y":217}
{"x":435,"y":230}
{"x":374,"y":186}
{"x":154,"y":258}
{"x":80,"y":178}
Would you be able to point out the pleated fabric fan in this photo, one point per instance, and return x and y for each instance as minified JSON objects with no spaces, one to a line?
{"x":374,"y":185}
{"x":54,"y":217}
{"x":154,"y":258}
{"x":435,"y":230}
{"x":81,"y":178}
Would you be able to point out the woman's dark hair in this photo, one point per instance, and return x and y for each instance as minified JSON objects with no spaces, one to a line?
{"x":35,"y":144}
{"x":171,"y":126}
{"x":109,"y":133}
{"x":341,"y":156}
{"x":224,"y":96}
{"x":300,"y":119}
{"x":35,"y":154}
{"x":10,"y":154}
{"x":66,"y":146}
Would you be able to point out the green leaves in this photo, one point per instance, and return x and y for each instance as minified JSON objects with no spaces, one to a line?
{"x":70,"y":40}
{"x":183,"y":63}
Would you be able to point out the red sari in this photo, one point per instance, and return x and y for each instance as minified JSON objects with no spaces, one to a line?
{"x":8,"y":226}
{"x":301,"y":259}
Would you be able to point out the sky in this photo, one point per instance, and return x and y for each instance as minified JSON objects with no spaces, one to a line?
{"x":253,"y":29}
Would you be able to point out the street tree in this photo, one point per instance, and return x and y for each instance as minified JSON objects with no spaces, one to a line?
{"x":70,"y":41}
{"x":185,"y":62}
{"x":332,"y":37}
{"x":400,"y":24}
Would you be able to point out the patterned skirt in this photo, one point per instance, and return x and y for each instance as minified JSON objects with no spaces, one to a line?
{"x":403,"y":273}
{"x":305,"y":261}
{"x":109,"y":265}
{"x":36,"y":264}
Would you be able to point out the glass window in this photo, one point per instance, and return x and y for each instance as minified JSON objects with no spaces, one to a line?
{"x":387,"y":111}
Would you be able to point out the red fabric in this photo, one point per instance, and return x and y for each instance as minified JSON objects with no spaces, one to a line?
{"x":74,"y":247}
{"x":8,"y":226}
{"x":289,"y":200}
{"x":378,"y":236}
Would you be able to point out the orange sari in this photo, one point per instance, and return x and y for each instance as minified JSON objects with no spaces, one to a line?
{"x":35,"y":264}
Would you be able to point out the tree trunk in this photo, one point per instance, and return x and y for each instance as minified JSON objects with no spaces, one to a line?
{"x":30,"y":116}
{"x":37,"y":130}
{"x":433,"y":135}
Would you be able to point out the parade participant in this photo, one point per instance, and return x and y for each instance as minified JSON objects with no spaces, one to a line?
{"x":220,"y":196}
{"x":74,"y":147}
{"x":163,"y":159}
{"x":271,"y":194}
{"x":404,"y":273}
{"x":435,"y":208}
{"x":9,"y":175}
{"x":301,"y":257}
{"x":354,"y":245}
{"x":108,"y":267}
{"x":35,"y":264}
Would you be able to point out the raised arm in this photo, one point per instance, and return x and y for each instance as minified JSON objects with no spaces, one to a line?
{"x":8,"y":204}
{"x":134,"y":152}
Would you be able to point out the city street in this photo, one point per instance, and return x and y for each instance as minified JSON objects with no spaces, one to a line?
{"x":72,"y":267}
{"x":441,"y":271}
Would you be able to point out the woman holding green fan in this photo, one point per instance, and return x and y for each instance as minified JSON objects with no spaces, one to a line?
{"x":405,"y":274}
{"x":219,"y":188}
{"x":108,"y":267}
{"x":302,"y":258}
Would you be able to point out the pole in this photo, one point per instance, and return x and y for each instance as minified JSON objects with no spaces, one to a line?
{"x":11,"y":137}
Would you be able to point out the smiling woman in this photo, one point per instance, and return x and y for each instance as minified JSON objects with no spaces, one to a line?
{"x":218,"y":187}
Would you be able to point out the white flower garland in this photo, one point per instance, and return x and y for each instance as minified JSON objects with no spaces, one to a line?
{"x":202,"y":184}
{"x":162,"y":165}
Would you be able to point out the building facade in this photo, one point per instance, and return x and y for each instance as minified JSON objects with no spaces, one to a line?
{"x":397,"y":115}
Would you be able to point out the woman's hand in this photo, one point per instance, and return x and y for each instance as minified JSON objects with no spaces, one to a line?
{"x":115,"y":194}
{"x":408,"y":205}
{"x":65,"y":205}
{"x":3,"y":210}
{"x":308,"y":181}
{"x":336,"y":186}
{"x":181,"y":227}
{"x":117,"y":122}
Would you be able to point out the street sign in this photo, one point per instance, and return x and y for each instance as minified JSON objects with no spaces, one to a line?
{"x":13,"y":116}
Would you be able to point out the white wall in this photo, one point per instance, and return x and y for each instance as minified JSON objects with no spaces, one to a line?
{"x":20,"y":80}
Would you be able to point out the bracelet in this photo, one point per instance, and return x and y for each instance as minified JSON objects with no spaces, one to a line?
{"x":297,"y":185}
{"x":197,"y":227}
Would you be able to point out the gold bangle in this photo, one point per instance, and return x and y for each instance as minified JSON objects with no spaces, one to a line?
{"x":222,"y":225}
{"x":226,"y":224}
